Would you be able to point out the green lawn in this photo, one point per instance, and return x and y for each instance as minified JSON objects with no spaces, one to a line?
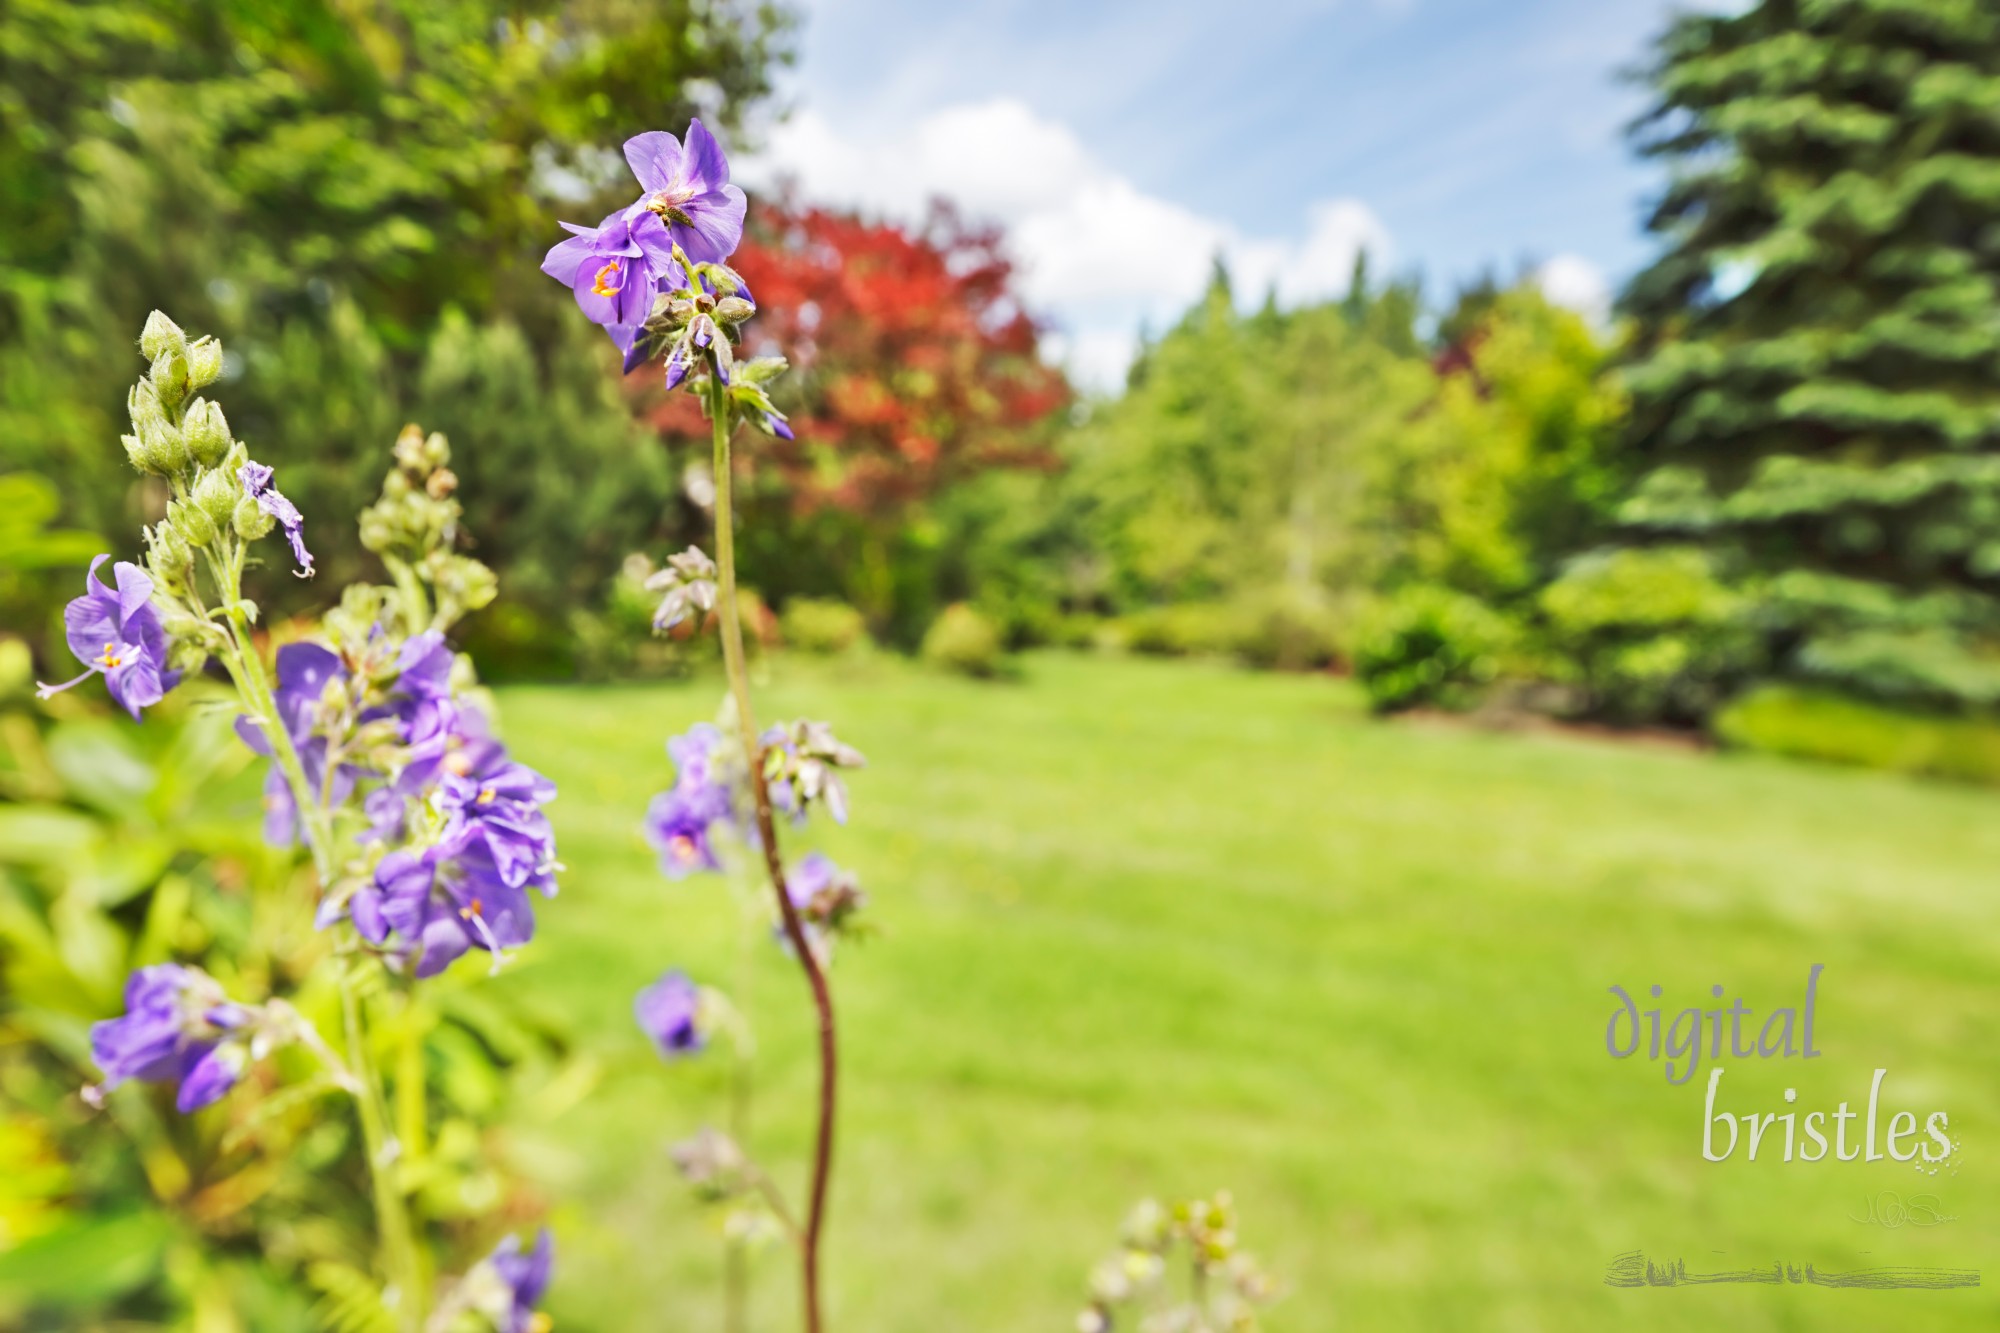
{"x":1158,"y":928}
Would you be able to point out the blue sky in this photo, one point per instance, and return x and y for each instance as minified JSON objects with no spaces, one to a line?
{"x":1123,"y":144}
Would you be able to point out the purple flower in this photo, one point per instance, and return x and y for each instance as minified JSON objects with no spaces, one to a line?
{"x":687,"y":188}
{"x":256,"y":479}
{"x":677,"y":828}
{"x":118,"y":634}
{"x":526,"y":1277}
{"x":439,"y":902}
{"x":304,"y":672}
{"x":679,"y":820}
{"x":174,"y":1030}
{"x":469,"y":889}
{"x":495,"y":808}
{"x":669,"y":1011}
{"x":615,"y":268}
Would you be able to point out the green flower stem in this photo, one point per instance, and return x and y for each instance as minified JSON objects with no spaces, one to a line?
{"x":743,"y":1052}
{"x":746,"y":722}
{"x":400,"y":1261}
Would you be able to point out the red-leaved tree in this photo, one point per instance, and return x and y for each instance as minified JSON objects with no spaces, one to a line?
{"x":914,"y":368}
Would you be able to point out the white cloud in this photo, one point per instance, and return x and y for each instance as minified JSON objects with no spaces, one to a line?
{"x":1578,"y":284}
{"x":1096,"y":253}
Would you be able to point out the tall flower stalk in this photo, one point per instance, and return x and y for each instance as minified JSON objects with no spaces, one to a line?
{"x":654,"y":275}
{"x":423,"y":835}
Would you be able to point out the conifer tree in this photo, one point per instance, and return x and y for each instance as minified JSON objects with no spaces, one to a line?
{"x":1816,"y":377}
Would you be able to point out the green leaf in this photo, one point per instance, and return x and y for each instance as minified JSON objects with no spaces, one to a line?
{"x":90,"y":1263}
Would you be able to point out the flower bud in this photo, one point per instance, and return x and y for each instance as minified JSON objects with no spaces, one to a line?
{"x":206,"y":431}
{"x":170,"y":378}
{"x":144,"y":459}
{"x":217,"y":493}
{"x":143,"y":404}
{"x":169,"y":559}
{"x":734,"y":310}
{"x":204,"y":358}
{"x":164,"y":445}
{"x":190,"y":522}
{"x":251,"y":521}
{"x":161,"y":336}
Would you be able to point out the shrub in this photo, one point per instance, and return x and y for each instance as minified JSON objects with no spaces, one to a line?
{"x":823,"y":627}
{"x":1649,"y":634}
{"x":1820,"y":724}
{"x":1428,"y":645}
{"x":1285,"y":631}
{"x":1187,"y":629}
{"x":963,"y":640}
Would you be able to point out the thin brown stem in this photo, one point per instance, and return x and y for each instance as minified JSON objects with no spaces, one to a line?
{"x":795,"y":931}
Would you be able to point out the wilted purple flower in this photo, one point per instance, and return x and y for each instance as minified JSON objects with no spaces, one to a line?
{"x":256,"y":479}
{"x":117,"y":634}
{"x":174,"y":1030}
{"x":687,"y":188}
{"x":615,"y":269}
{"x":688,"y":582}
{"x":526,"y":1277}
{"x":825,"y":896}
{"x":669,"y":1011}
{"x":800,"y":763}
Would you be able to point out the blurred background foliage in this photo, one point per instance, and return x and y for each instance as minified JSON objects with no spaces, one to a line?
{"x":1764,"y":501}
{"x":1777,"y":465}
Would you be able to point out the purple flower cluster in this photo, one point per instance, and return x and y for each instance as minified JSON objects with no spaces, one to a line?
{"x":486,"y":839}
{"x":467,"y":888}
{"x":117,"y":634}
{"x":177,"y":1028}
{"x":618,"y":267}
{"x":681,"y":821}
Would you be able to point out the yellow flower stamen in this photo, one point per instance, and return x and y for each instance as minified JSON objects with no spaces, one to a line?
{"x":477,"y":908}
{"x":487,"y":795}
{"x":109,"y":658}
{"x":611,"y":270}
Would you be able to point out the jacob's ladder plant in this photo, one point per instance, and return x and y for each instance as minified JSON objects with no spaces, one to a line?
{"x":425,"y":837}
{"x":655,"y":275}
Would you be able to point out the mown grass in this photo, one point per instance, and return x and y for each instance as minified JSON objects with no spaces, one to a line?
{"x":1160,"y":927}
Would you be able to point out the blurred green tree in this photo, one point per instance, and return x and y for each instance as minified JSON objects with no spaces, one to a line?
{"x":1816,"y":374}
{"x":369,"y":188}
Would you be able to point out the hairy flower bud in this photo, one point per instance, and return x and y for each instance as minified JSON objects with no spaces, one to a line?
{"x":161,"y":442}
{"x":734,"y":310}
{"x":168,"y":559}
{"x":251,"y":521}
{"x":144,"y":459}
{"x":206,"y":432}
{"x":161,"y":336}
{"x":217,"y":493}
{"x":190,"y":522}
{"x":169,"y":375}
{"x":204,"y":358}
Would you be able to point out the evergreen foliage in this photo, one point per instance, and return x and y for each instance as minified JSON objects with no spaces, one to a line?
{"x":1816,"y":383}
